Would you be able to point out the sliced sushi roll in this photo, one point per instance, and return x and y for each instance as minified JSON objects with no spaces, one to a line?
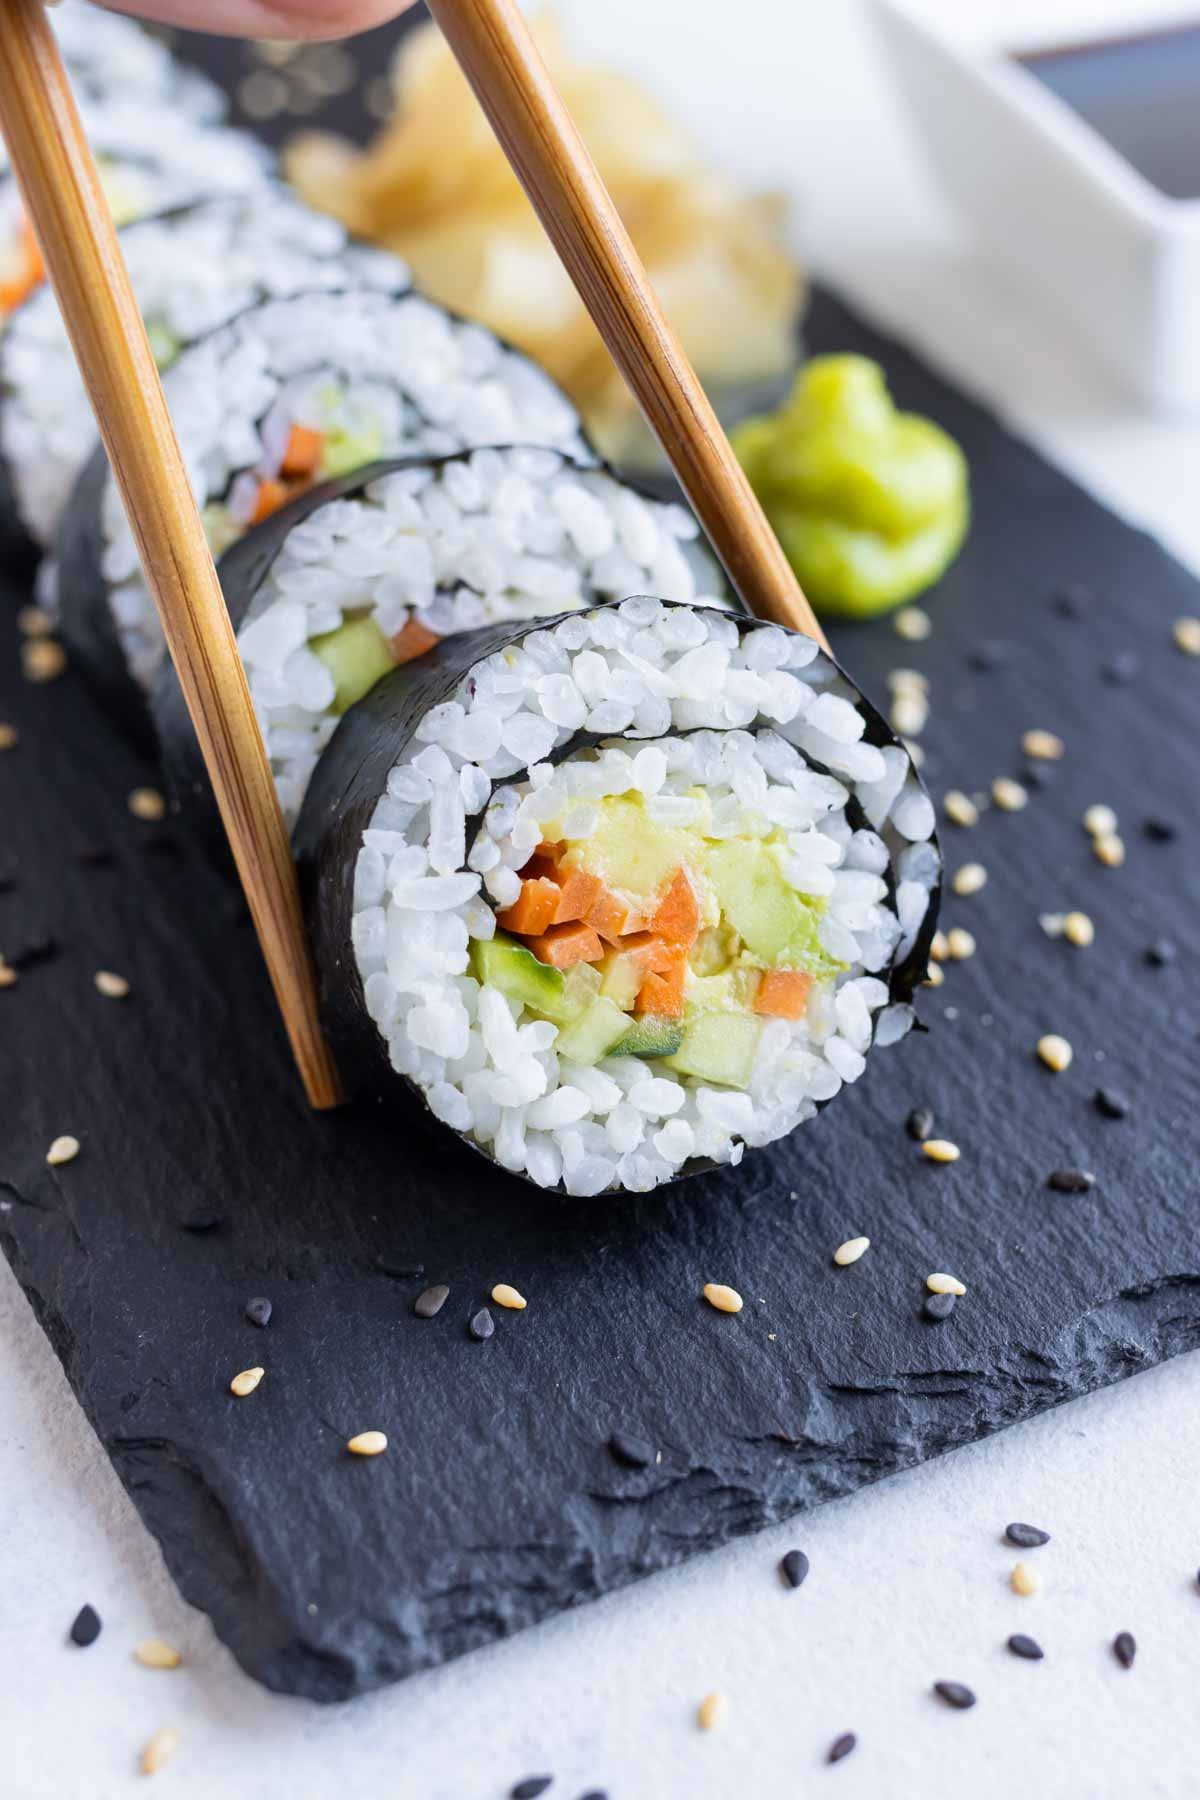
{"x":150,"y":157}
{"x":366,"y":573}
{"x":109,"y":57}
{"x":621,"y":894}
{"x":193,"y":269}
{"x":289,"y":393}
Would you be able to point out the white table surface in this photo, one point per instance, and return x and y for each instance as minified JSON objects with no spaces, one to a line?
{"x":909,"y":1579}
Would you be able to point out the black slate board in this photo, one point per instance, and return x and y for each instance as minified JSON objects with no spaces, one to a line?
{"x":499,"y":1501}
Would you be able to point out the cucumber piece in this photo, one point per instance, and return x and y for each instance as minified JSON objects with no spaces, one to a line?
{"x":593,"y":1034}
{"x":357,"y":655}
{"x":504,"y":964}
{"x":346,"y":450}
{"x":777,"y":924}
{"x":622,"y":974}
{"x":718,"y":1047}
{"x":581,"y":984}
{"x":651,"y":1036}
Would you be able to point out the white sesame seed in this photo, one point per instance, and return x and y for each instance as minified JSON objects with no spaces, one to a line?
{"x":850,"y":1251}
{"x":62,"y":1150}
{"x":1109,"y":850}
{"x":940,"y":1150}
{"x":725,"y":1299}
{"x":1079,"y":930}
{"x":935,"y":975}
{"x":368,"y":1443}
{"x":1043,"y":746}
{"x":960,"y":809}
{"x":504,"y":1295}
{"x":908,"y":680}
{"x":945,"y":1284}
{"x":1100,"y":821}
{"x":42,"y":659}
{"x":8,"y":977}
{"x":959,"y":943}
{"x":939,"y":949}
{"x":969,"y":879}
{"x":1052,"y":923}
{"x":34,"y":621}
{"x":1055,"y":1052}
{"x":915,"y":752}
{"x":1023,"y":1579}
{"x":711,"y":1711}
{"x":246,"y":1382}
{"x":913,"y":623}
{"x":1187,"y":636}
{"x":155,"y":1653}
{"x":147,"y":803}
{"x":909,"y":715}
{"x":1009,"y":795}
{"x":159,"y":1750}
{"x":9,"y":735}
{"x":113,"y":987}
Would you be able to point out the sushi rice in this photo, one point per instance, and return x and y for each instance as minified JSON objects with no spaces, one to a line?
{"x":358,"y":375}
{"x":489,"y":535}
{"x":734,"y":750}
{"x":193,"y":269}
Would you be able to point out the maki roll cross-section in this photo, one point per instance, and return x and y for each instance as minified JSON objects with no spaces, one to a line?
{"x":621,"y":894}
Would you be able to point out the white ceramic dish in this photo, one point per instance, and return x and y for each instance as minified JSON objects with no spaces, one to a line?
{"x":1050,"y":200}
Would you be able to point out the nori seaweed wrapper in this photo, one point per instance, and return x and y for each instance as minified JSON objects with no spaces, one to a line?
{"x":349,"y":781}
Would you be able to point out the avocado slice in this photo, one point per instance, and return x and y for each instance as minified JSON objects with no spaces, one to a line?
{"x":357,"y":655}
{"x":778,"y":925}
{"x":718,"y":1047}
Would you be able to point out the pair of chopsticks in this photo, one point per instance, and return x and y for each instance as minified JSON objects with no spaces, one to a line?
{"x":70,"y":217}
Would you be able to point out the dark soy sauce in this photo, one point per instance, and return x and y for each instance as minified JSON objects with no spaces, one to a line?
{"x":1141,"y":94}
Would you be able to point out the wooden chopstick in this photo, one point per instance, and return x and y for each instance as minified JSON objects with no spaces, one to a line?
{"x":499,"y":58}
{"x":70,"y":217}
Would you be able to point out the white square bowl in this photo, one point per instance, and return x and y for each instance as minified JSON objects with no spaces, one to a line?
{"x":1052,"y":202}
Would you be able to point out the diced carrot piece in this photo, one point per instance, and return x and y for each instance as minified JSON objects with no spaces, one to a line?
{"x":662,"y":994}
{"x":564,"y":945}
{"x":30,"y":272}
{"x":677,"y":915}
{"x":654,"y":954}
{"x":302,"y":452}
{"x":782,"y":993}
{"x":541,"y":867}
{"x":613,"y":917}
{"x":412,"y":640}
{"x":578,"y":895}
{"x":271,"y":496}
{"x":532,"y":912}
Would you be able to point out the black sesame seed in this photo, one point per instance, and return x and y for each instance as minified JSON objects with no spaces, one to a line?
{"x":431,"y":1302}
{"x":86,"y":1627}
{"x":1071,"y":601}
{"x":201,"y":1219}
{"x":531,"y":1787}
{"x":399,"y":1271}
{"x":1026,"y":1537}
{"x":794,"y":1568}
{"x":482,"y":1325}
{"x":939,"y":1306}
{"x":842,"y":1746}
{"x":988,"y":655}
{"x":594,"y":1794}
{"x":95,"y":856}
{"x":259,"y":1310}
{"x":1037,"y":775}
{"x":1121,"y":668}
{"x":1159,"y":831}
{"x":919,"y":1123}
{"x":1110,"y":1103}
{"x":627,"y":1447}
{"x":954,"y":1694}
{"x":1158,"y":954}
{"x":1125,"y":1648}
{"x":34,"y":950}
{"x":1028,"y":1647}
{"x":1071,"y":1181}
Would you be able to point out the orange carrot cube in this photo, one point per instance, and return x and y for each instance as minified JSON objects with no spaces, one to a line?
{"x":302,"y":452}
{"x":578,"y":894}
{"x":532,"y":912}
{"x":662,"y":991}
{"x":613,"y":917}
{"x":412,"y":640}
{"x":782,"y":994}
{"x":677,"y":915}
{"x":271,"y":496}
{"x":564,"y":945}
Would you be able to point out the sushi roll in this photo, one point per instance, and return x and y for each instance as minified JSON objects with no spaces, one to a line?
{"x":362,"y":574}
{"x":621,"y":894}
{"x":111,"y":58}
{"x":288,"y":393}
{"x":193,"y":269}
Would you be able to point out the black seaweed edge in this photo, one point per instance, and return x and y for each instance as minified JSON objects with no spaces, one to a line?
{"x":352,"y":775}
